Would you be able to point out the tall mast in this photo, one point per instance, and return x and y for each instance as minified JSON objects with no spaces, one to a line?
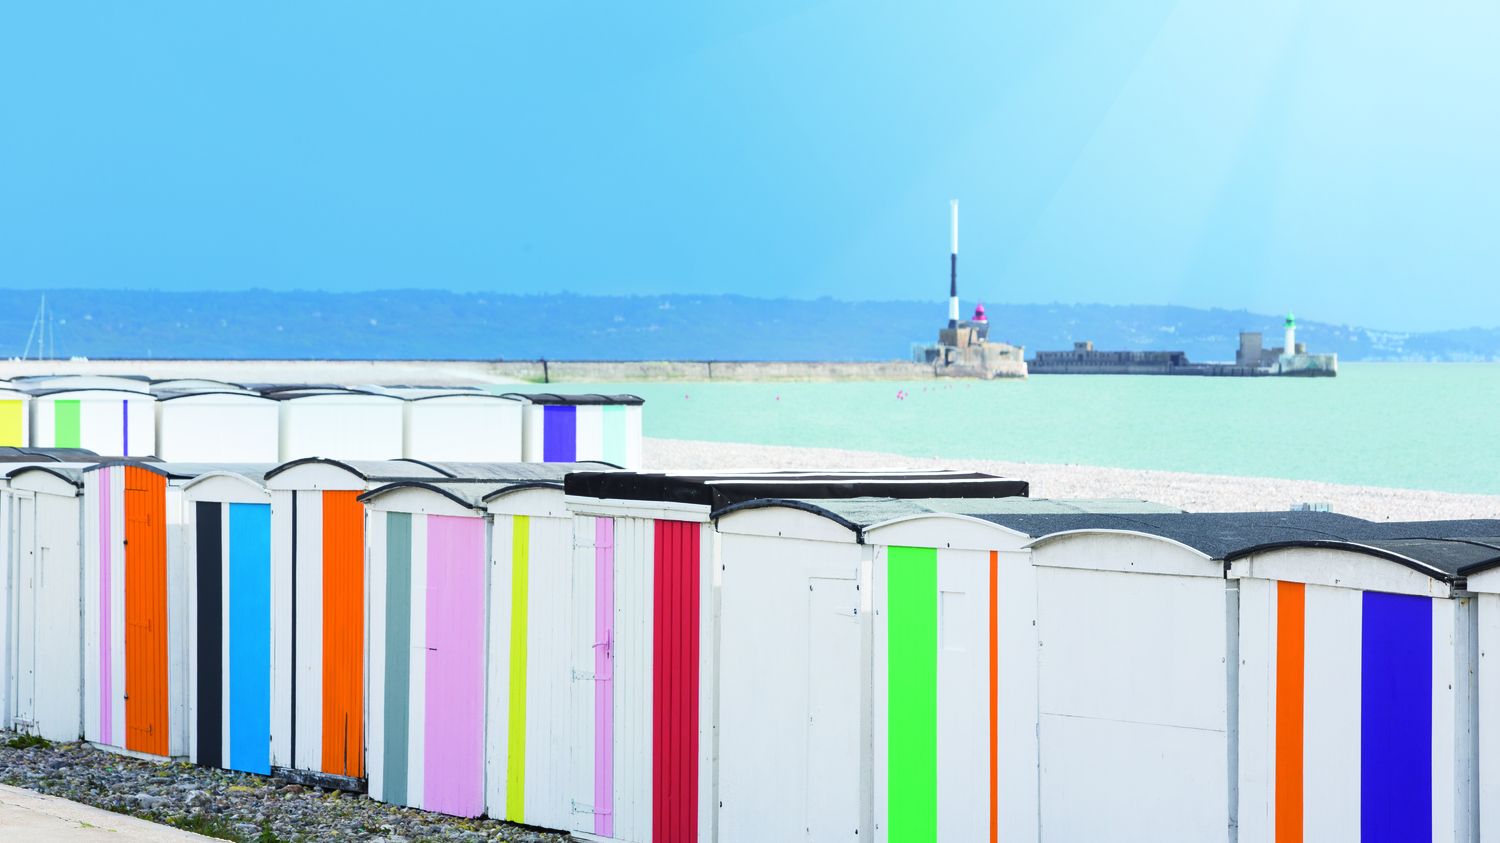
{"x":953,"y":271}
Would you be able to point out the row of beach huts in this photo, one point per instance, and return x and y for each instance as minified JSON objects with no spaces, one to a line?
{"x":197,"y":420}
{"x":666,"y":658}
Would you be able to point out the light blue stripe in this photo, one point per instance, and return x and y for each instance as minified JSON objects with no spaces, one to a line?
{"x":250,"y":637}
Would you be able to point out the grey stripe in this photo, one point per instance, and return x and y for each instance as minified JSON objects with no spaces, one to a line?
{"x":397,"y":652}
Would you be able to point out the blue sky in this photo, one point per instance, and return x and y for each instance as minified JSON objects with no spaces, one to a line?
{"x":1338,"y":158}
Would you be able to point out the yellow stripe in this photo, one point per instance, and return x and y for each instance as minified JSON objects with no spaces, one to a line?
{"x":10,"y":424}
{"x":515,"y":780}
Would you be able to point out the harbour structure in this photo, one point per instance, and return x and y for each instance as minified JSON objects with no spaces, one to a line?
{"x":963,"y":348}
{"x":1252,"y":359}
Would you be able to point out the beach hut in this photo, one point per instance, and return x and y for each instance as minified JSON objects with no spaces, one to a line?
{"x":1356,"y":689}
{"x":318,"y":614}
{"x":15,"y":418}
{"x":462,"y":425}
{"x":219,"y":426}
{"x":338,"y":423}
{"x":502,"y":540}
{"x":428,"y":644}
{"x":1135,"y":696}
{"x":641,"y":648}
{"x":135,"y":618}
{"x":107,"y":421}
{"x":41,"y":508}
{"x":1482,"y":580}
{"x":568,"y":428}
{"x":229,"y":619}
{"x":871,"y":707}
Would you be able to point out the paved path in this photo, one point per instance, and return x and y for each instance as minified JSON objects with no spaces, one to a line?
{"x":27,"y":817}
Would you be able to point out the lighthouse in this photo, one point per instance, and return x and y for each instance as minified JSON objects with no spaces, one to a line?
{"x":953,"y":270}
{"x":1290,"y":347}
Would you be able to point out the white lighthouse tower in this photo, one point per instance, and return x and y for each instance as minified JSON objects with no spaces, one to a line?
{"x":1290,"y":347}
{"x":953,"y":271}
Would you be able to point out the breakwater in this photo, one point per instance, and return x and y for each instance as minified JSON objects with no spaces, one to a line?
{"x":448,"y":372}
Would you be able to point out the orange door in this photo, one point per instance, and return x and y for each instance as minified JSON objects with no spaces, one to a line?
{"x":343,"y":634}
{"x":145,"y":612}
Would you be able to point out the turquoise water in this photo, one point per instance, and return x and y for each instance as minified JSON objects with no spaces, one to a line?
{"x":1423,"y":426}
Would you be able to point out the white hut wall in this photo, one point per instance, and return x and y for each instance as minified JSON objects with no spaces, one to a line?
{"x":1354,"y":705}
{"x":351,"y":430}
{"x":528,"y":688}
{"x":117,"y":424}
{"x":463,"y":429}
{"x":794,"y":687}
{"x":1132,"y":689}
{"x":954,"y":691}
{"x":47,"y":600}
{"x":202,"y":430}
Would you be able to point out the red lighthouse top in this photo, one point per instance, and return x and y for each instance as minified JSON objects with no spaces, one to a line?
{"x":979,"y":313}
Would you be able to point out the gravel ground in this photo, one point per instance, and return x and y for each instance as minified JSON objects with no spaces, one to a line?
{"x":233,"y":806}
{"x":1192,"y":492}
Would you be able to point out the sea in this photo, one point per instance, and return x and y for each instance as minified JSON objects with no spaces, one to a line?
{"x":1429,"y":426}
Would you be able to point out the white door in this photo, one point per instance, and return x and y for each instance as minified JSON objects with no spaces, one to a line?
{"x":833,"y":706}
{"x":58,"y":686}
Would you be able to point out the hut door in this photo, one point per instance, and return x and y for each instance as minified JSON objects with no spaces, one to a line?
{"x":343,"y":750}
{"x":145,"y":612}
{"x":25,"y":669}
{"x":833,"y":751}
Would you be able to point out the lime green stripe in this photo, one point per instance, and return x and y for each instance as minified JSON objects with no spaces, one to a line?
{"x":515,"y":779}
{"x":912,"y":625}
{"x":10,"y":424}
{"x":65,"y":424}
{"x":614,"y":434}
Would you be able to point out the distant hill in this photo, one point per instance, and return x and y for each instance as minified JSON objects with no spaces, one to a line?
{"x":397,"y":324}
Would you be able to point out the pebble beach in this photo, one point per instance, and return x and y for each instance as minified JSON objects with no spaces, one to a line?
{"x":1191,"y":492}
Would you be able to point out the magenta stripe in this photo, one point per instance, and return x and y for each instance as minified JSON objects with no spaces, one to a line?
{"x":453,"y":755}
{"x":106,"y":689}
{"x":604,"y":676}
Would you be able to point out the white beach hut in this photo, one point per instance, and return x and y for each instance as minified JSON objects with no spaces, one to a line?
{"x":15,"y":417}
{"x":872,"y":707}
{"x":461,"y":425}
{"x":421,"y":534}
{"x":643,"y":606}
{"x":41,"y":509}
{"x":135,"y":617}
{"x":318,"y":622}
{"x":1356,"y":688}
{"x":1482,"y":580}
{"x":229,"y":618}
{"x":339,"y":423}
{"x":428,"y":644}
{"x":218,"y":426}
{"x":117,"y":422}
{"x":569,"y":428}
{"x":1135,"y":693}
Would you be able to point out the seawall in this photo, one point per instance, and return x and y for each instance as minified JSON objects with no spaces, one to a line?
{"x":456,"y":372}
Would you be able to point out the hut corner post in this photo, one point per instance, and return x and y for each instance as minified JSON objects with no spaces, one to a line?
{"x":1232,"y":702}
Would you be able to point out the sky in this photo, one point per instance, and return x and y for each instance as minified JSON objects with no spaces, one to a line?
{"x":1336,"y":158}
